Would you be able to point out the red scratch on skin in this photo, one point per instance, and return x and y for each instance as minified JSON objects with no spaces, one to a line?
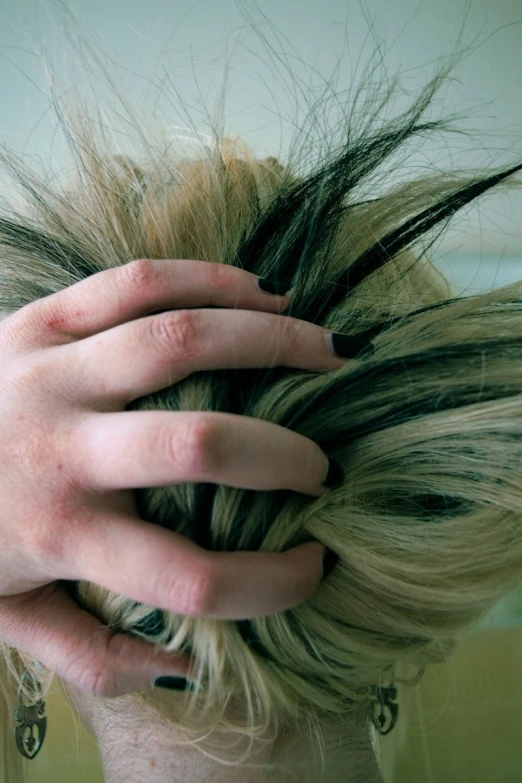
{"x":61,"y":323}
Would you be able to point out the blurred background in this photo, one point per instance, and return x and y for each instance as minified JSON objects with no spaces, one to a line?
{"x":172,"y":60}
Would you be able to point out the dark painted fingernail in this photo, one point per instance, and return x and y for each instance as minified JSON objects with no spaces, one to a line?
{"x":330,"y":559}
{"x":349,"y":347}
{"x":172,"y":683}
{"x":276,"y":287}
{"x":335,"y":476}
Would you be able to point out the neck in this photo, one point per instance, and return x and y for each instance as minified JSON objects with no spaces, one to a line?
{"x":135,"y":747}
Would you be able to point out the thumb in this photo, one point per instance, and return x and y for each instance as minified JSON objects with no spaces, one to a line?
{"x":48,"y":624}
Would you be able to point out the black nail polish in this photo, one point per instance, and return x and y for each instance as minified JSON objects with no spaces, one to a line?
{"x":330,"y":559}
{"x":277,"y":287}
{"x":335,"y":477}
{"x":349,"y":347}
{"x":172,"y":683}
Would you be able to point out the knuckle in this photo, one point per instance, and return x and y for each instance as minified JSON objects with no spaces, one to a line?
{"x":48,"y":538}
{"x":195,"y":593}
{"x":48,"y":316}
{"x":27,"y":374}
{"x":32,"y":314}
{"x":19,"y":324}
{"x":193,"y":447}
{"x":293,"y":334}
{"x":95,"y":678}
{"x":286,"y":332}
{"x":100,"y":671}
{"x":35,"y":454}
{"x":46,"y":545}
{"x":140,"y":273}
{"x":178,"y":331}
{"x":219,"y":276}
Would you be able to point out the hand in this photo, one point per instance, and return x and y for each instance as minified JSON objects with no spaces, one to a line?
{"x":71,"y":362}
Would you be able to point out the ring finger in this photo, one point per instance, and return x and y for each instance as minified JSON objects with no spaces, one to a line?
{"x":156,"y":448}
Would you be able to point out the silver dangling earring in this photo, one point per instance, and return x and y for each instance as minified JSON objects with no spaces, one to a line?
{"x":385,"y":710}
{"x":30,"y":716}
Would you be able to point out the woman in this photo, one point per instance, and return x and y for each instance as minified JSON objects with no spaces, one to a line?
{"x":423,"y":420}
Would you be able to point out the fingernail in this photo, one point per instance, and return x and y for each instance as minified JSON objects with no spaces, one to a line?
{"x":172,"y":683}
{"x":177,"y":684}
{"x":348,"y":347}
{"x":276,"y":287}
{"x":335,"y":475}
{"x":330,"y":559}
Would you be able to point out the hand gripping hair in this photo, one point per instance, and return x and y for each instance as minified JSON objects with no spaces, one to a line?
{"x":427,"y":525}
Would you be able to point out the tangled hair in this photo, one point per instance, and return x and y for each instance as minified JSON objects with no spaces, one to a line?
{"x":427,"y":525}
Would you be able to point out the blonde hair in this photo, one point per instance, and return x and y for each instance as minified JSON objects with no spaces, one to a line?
{"x":427,"y":525}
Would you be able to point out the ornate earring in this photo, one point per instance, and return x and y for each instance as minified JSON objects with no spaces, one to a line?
{"x":30,"y":716}
{"x":385,"y":710}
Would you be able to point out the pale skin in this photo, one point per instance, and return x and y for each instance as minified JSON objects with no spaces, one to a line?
{"x":135,"y":747}
{"x":71,"y":362}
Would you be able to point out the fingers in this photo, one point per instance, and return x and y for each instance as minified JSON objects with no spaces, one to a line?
{"x":155,"y":448}
{"x":155,"y":566}
{"x":151,"y":353}
{"x":49,"y":625}
{"x":115,"y":296}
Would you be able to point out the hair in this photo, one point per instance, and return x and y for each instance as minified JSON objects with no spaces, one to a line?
{"x":427,"y":524}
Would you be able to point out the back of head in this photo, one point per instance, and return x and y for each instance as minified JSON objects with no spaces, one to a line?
{"x":428,"y":429}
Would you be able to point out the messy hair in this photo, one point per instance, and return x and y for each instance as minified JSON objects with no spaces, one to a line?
{"x":428,"y":428}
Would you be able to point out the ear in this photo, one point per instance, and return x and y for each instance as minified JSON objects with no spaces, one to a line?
{"x":273,"y":163}
{"x":133,"y":171}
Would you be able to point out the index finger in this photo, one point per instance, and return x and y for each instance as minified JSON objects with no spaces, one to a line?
{"x":155,"y":566}
{"x":136,"y":289}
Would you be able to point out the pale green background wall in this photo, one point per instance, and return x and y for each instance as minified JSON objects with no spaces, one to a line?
{"x":193,"y":36}
{"x":460,"y":725}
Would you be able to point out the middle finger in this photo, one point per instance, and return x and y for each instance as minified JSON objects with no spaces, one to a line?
{"x":137,"y":358}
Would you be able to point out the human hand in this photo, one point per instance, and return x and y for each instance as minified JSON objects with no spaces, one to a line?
{"x":71,"y":362}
